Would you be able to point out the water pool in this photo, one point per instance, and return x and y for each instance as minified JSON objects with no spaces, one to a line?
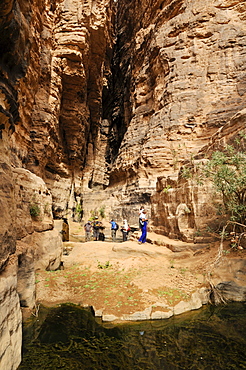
{"x":69,"y":337}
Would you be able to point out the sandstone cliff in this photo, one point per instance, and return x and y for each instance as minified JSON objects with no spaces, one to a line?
{"x":53,"y":56}
{"x":178,"y":77}
{"x":184,"y":72}
{"x":101,"y":102}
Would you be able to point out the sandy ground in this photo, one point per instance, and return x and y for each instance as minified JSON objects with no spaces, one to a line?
{"x":125,"y":277}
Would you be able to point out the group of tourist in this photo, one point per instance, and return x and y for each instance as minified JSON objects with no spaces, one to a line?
{"x":97,"y":228}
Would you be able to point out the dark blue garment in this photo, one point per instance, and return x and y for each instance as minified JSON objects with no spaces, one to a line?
{"x":142,"y":238}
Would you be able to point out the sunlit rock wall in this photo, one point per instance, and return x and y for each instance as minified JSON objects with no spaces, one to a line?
{"x":10,"y":320}
{"x":181,"y":78}
{"x":104,"y":108}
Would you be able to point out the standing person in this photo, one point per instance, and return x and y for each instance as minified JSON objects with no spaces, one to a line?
{"x":65,"y":230}
{"x":141,"y":216}
{"x":88,"y":227}
{"x":114,"y":228}
{"x":101,"y":233}
{"x":143,"y":236}
{"x":125,"y":230}
{"x":96,"y":227}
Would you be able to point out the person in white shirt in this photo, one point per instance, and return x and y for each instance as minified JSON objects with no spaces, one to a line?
{"x":125,"y":230}
{"x":144,"y":221}
{"x":141,"y":217}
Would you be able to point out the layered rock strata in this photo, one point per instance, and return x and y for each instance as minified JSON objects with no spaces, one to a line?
{"x":178,"y":79}
{"x":185,"y":206}
{"x":53,"y":56}
{"x":10,"y":320}
{"x":183,"y":68}
{"x":101,"y":102}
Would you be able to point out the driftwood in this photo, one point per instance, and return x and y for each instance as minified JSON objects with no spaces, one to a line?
{"x":36,"y":310}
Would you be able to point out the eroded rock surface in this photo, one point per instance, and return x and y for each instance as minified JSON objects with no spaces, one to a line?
{"x":10,"y":320}
{"x":101,"y":103}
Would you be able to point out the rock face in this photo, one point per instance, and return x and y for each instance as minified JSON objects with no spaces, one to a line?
{"x":112,"y":97}
{"x":101,"y":102}
{"x":183,"y":68}
{"x":39,"y":245}
{"x":52,"y":62}
{"x":10,"y":320}
{"x":28,"y":223}
{"x":178,"y":78}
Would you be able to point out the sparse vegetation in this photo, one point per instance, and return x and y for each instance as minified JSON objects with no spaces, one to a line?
{"x":79,"y":210}
{"x":94,"y":214}
{"x":100,"y":286}
{"x":172,"y":295}
{"x":165,"y":190}
{"x":34,"y":210}
{"x":197,"y":233}
{"x":102,"y":211}
{"x":172,"y":263}
{"x":226,"y":169}
{"x":106,"y":265}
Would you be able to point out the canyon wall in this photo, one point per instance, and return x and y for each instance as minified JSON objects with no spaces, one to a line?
{"x":101,"y":103}
{"x":179,"y":78}
{"x":53,"y":56}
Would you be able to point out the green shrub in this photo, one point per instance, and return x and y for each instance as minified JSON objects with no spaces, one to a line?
{"x":102,"y":211}
{"x":227,"y":171}
{"x":34,"y":210}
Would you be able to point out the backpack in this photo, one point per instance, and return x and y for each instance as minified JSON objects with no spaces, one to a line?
{"x":97,"y":225}
{"x":87,"y":227}
{"x":115,"y":226}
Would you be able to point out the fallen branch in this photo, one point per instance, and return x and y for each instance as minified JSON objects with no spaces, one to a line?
{"x":36,"y":308}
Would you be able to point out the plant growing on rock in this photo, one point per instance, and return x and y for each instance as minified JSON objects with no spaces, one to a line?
{"x":102,"y":211}
{"x":34,"y":210}
{"x":165,"y":190}
{"x":226,"y":169}
{"x":94,"y":214}
{"x":79,"y":210}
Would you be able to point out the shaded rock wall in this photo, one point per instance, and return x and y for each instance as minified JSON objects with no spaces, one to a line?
{"x":177,"y":76}
{"x":181,"y":69}
{"x":29,"y":243}
{"x":88,"y":126}
{"x":39,"y":245}
{"x":73,"y":55}
{"x":50,"y":52}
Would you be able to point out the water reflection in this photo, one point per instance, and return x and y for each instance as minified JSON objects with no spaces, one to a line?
{"x":68,"y":337}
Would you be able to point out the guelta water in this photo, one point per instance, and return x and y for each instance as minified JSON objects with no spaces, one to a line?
{"x":69,"y":337}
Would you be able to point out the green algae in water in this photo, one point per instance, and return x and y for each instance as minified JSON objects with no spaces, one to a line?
{"x":69,"y":337}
